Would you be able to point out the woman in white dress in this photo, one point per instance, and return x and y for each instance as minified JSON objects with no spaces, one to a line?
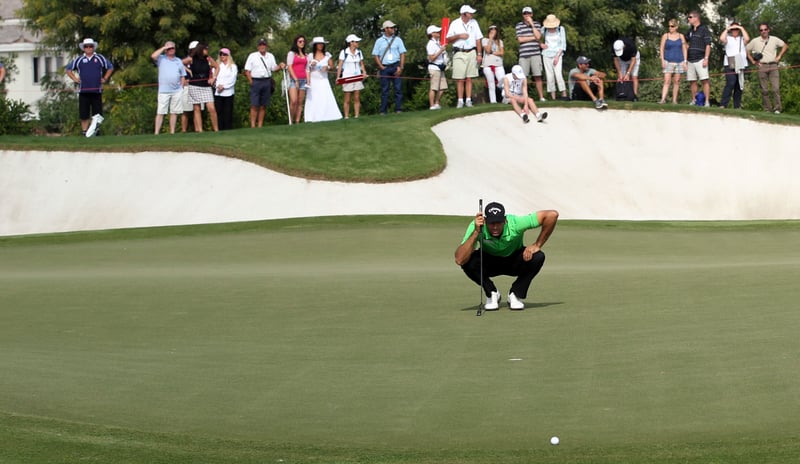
{"x":320,"y":102}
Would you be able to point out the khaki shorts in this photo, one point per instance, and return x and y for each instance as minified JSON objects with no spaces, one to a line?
{"x":465,"y":65}
{"x":696,"y":71}
{"x":170,"y":102}
{"x":438,"y":80}
{"x":353,"y":86}
{"x":532,"y":65}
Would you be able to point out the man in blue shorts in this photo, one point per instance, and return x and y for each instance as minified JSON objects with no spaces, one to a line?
{"x":90,"y":71}
{"x":504,"y":253}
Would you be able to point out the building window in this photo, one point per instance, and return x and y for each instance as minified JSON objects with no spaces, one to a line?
{"x":36,"y":70}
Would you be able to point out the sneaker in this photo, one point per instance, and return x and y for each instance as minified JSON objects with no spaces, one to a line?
{"x":493,"y":302}
{"x":506,"y":101}
{"x":564,"y":98}
{"x":460,"y":104}
{"x":541,"y":116}
{"x":603,"y":103}
{"x":514,"y":302}
{"x":706,"y":104}
{"x":525,"y":118}
{"x":468,"y":104}
{"x":598,"y":104}
{"x":436,"y":107}
{"x":777,"y":111}
{"x":542,"y":99}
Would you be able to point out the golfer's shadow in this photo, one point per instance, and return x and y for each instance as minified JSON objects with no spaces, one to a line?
{"x":528,"y":306}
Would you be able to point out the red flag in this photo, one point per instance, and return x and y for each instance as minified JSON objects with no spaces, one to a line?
{"x":445,"y":27}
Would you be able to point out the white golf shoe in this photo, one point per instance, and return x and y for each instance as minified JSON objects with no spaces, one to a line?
{"x":493,"y":302}
{"x":514,"y":302}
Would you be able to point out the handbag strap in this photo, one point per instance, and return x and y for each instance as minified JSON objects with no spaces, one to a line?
{"x":269,"y":71}
{"x":387,"y":48}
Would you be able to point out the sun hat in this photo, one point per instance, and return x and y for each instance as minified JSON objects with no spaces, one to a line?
{"x":495,"y":212}
{"x":352,"y":38}
{"x":87,"y":42}
{"x":467,"y":9}
{"x":583,"y":60}
{"x":551,"y":21}
{"x":527,"y":9}
{"x":193,"y":44}
{"x":517,"y":71}
{"x":388,"y":23}
{"x":318,"y":40}
{"x":431,"y":29}
{"x":619,"y":47}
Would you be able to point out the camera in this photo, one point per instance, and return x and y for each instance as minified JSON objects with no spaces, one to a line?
{"x":758,"y":56}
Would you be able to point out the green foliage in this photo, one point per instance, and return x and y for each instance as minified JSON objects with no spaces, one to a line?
{"x":58,"y":110}
{"x":13,"y":116}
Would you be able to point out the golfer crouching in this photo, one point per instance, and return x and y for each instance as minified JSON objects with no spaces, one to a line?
{"x":504,"y":252}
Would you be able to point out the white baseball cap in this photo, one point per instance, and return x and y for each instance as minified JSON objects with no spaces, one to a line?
{"x":388,"y":23}
{"x":518,"y":72}
{"x":527,"y":9}
{"x":619,"y":46}
{"x":467,"y":9}
{"x":193,"y":44}
{"x":431,"y":29}
{"x":352,"y":38}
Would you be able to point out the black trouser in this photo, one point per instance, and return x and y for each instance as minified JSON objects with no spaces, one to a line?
{"x":731,"y":88}
{"x":512,"y":265}
{"x":89,"y":104}
{"x":224,"y":107}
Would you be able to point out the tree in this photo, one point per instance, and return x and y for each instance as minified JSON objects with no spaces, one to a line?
{"x":129,"y":30}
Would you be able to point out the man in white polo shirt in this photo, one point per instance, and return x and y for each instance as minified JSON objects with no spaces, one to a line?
{"x":465,"y":37}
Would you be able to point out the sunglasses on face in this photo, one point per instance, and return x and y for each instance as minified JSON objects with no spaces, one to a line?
{"x":673,"y":25}
{"x":763,"y":30}
{"x":170,"y":48}
{"x":223,"y":54}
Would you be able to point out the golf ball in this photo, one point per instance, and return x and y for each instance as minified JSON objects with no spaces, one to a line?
{"x":554,"y":440}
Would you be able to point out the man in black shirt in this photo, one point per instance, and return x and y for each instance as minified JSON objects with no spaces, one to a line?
{"x":698,"y":39}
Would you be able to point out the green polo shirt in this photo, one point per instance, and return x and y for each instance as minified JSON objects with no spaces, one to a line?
{"x":511,"y":238}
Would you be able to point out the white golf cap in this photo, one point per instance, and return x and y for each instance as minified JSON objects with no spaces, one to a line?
{"x":431,"y":29}
{"x":388,"y":23}
{"x":193,"y":44}
{"x":87,"y":42}
{"x":466,"y":9}
{"x":518,"y":72}
{"x":352,"y":38}
{"x":618,"y":47}
{"x":527,"y":9}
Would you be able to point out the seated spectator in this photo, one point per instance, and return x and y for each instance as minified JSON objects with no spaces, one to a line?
{"x":586,"y":83}
{"x":516,"y":90}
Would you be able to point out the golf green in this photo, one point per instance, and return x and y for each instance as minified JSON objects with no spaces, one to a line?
{"x":354,"y":339}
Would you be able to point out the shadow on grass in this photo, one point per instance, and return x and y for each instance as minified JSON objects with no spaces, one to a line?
{"x":528,"y":306}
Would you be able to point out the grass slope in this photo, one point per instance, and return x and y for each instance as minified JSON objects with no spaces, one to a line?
{"x":369,"y":149}
{"x":355,"y":340}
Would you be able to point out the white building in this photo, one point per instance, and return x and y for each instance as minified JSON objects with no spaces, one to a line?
{"x":32,"y":63}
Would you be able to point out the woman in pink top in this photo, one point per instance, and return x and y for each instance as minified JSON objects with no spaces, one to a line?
{"x":297,"y":61}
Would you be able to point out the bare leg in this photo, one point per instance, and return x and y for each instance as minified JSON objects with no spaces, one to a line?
{"x":159,"y":123}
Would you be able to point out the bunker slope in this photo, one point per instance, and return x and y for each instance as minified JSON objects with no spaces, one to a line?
{"x":617,"y":165}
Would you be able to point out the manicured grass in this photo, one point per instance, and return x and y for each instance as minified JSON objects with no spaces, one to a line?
{"x":355,"y":340}
{"x":369,"y":149}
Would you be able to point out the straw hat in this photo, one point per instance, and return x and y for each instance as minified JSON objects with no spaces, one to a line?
{"x":551,"y":21}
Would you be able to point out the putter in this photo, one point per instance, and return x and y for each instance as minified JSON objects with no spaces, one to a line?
{"x":480,"y":235}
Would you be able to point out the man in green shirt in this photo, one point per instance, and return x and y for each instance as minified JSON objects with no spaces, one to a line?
{"x":504,"y":252}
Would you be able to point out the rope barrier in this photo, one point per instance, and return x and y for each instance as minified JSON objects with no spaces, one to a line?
{"x":748,"y":70}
